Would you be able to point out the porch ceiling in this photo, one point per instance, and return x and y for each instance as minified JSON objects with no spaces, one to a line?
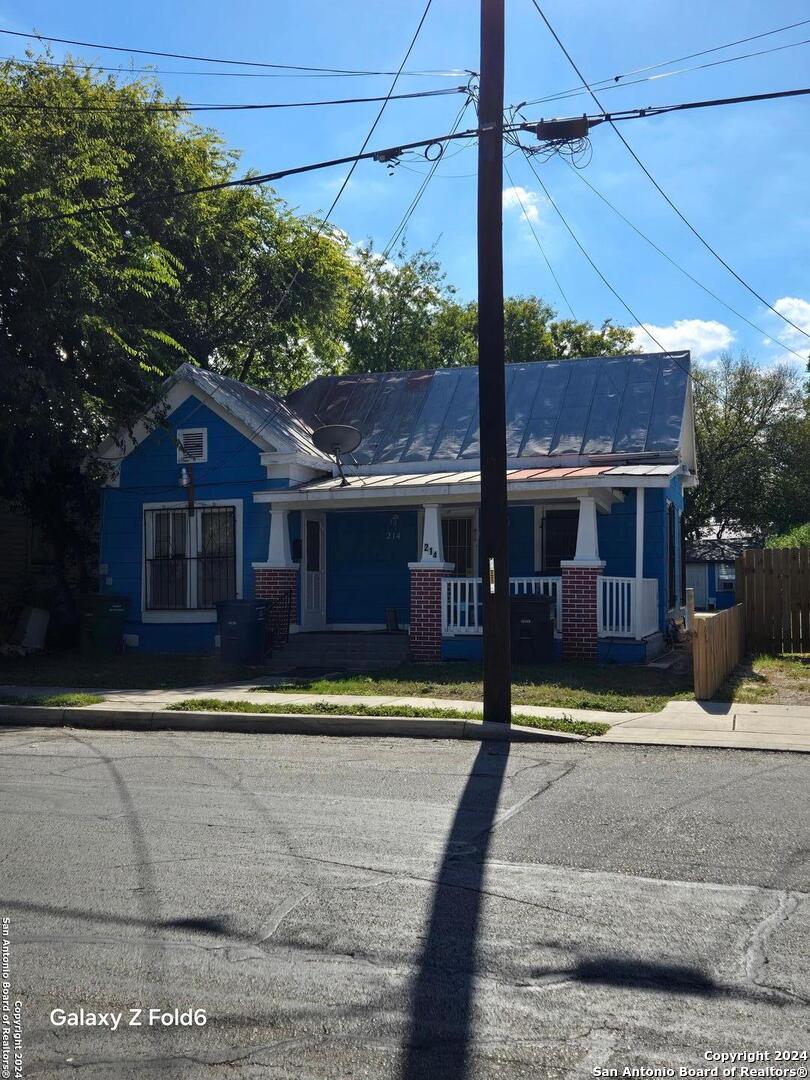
{"x":457,"y":485}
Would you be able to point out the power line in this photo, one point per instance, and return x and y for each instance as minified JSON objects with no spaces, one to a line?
{"x":406,"y":217}
{"x":713,"y":49}
{"x":245,"y":181}
{"x":537,"y":240}
{"x":73,"y":65}
{"x":593,"y":265}
{"x":662,"y":110}
{"x":614,"y":83}
{"x":317,"y":232}
{"x":392,"y":152}
{"x":213,"y":107}
{"x":677,"y":265}
{"x":215,"y":60}
{"x":658,"y":187}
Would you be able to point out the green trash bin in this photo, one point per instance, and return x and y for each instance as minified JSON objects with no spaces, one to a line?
{"x":102,"y":622}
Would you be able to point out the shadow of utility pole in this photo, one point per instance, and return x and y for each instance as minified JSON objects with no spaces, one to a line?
{"x":441,"y":1004}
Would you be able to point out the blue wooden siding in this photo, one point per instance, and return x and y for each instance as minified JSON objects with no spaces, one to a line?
{"x":367,"y":556}
{"x":367,"y":552}
{"x":721,"y":597}
{"x":151,"y":474}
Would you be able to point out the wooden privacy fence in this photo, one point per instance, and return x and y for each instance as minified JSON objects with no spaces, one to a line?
{"x":718,"y":646}
{"x":773,"y":584}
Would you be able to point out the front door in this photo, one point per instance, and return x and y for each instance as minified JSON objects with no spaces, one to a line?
{"x":314,"y":571}
{"x":696,"y":578}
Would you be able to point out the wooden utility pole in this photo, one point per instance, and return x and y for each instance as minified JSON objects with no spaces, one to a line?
{"x":491,"y":381}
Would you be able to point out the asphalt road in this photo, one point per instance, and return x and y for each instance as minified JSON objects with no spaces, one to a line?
{"x":348,"y":908}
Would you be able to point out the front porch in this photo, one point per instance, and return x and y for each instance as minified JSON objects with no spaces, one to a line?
{"x":626,"y":613}
{"x":357,"y":554}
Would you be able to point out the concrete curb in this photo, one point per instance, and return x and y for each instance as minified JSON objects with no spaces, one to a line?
{"x":409,"y":727}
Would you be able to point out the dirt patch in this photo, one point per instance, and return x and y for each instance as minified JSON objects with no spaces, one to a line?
{"x":777,"y":680}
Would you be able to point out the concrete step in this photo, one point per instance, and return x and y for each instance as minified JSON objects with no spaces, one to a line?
{"x":341,"y":651}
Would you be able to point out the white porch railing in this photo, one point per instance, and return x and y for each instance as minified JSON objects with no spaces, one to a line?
{"x":616,"y":607}
{"x":462,"y":604}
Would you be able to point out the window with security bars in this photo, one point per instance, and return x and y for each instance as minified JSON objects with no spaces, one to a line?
{"x":458,"y":541}
{"x":190,"y":557}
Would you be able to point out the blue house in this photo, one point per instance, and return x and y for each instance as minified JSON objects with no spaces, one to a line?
{"x":220,"y":492}
{"x":710,"y":569}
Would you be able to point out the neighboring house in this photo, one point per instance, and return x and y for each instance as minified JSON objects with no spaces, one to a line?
{"x":710,"y":569}
{"x":599,"y":453}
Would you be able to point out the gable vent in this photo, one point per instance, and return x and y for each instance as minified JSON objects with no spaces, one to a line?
{"x":192,"y":445}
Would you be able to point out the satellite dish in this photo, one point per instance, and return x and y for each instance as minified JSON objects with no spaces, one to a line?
{"x":335,"y":440}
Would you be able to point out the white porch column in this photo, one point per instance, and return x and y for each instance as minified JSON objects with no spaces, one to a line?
{"x":587,"y":552}
{"x":277,"y":579}
{"x":426,"y":589}
{"x":278,"y":553}
{"x":581,"y":578}
{"x":432,"y":544}
{"x":637,"y":599}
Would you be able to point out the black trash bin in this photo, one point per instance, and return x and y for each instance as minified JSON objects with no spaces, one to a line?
{"x":102,"y":624}
{"x":243,"y":626}
{"x":532,"y":628}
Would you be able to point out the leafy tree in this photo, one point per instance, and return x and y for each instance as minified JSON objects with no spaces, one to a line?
{"x":392,"y":311}
{"x":750,"y":421}
{"x":96,"y":309}
{"x":532,"y":331}
{"x":797,"y":537}
{"x":404,"y":315}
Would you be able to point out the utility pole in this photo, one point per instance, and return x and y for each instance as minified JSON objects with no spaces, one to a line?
{"x":491,"y":380}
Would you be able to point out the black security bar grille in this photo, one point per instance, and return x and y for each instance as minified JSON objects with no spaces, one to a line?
{"x":191,"y":558}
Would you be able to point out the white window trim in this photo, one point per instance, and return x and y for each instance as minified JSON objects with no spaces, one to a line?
{"x":726,"y":576}
{"x":189,"y":615}
{"x":182,"y":459}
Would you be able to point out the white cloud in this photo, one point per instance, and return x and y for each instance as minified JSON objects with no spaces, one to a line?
{"x":521,"y":199}
{"x":798,"y":311}
{"x":703,"y":337}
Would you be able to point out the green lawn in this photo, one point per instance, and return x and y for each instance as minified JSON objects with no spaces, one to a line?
{"x":777,"y":680}
{"x":611,"y":687}
{"x":325,"y":708}
{"x":66,"y":700}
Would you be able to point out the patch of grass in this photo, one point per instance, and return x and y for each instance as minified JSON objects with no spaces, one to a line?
{"x":129,"y":671}
{"x":331,"y":708}
{"x":67,"y":700}
{"x":607,"y":687}
{"x":780,"y":679}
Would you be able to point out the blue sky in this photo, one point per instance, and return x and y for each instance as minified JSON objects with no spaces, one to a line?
{"x":739,"y":173}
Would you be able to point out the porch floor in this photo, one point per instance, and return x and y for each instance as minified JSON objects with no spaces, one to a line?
{"x":328,"y":651}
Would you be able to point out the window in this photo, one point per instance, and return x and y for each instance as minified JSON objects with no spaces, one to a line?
{"x":671,"y":594}
{"x":559,"y":538}
{"x":726,"y":575}
{"x":191,"y":558}
{"x":192,"y":445}
{"x":458,"y":541}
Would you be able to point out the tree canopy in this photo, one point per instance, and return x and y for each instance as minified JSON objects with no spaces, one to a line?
{"x":97,"y":308}
{"x":404,"y":315}
{"x":753,"y":448}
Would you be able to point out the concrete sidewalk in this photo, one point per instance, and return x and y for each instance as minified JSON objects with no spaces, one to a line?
{"x":713,"y":723}
{"x":680,"y":723}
